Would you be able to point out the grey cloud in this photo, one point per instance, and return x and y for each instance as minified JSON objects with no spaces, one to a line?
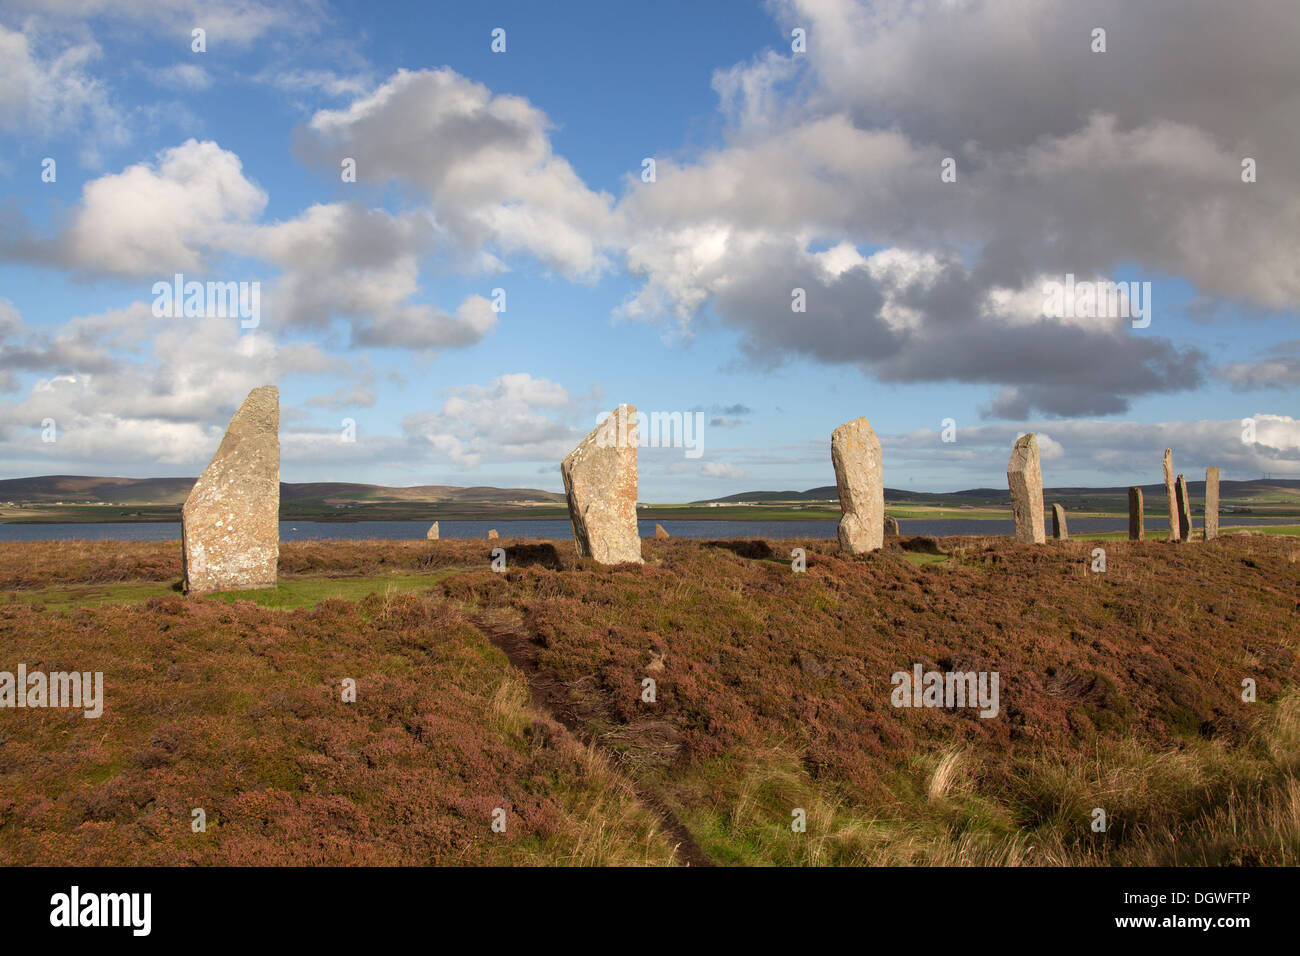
{"x":1269,"y":373}
{"x":363,"y":265}
{"x":945,"y":73}
{"x":1067,"y":160}
{"x":1122,"y":448}
{"x":483,"y":161}
{"x":1060,"y":369}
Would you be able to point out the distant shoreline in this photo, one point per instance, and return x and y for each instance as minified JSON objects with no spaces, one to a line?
{"x":1102,"y":528}
{"x":667,"y":513}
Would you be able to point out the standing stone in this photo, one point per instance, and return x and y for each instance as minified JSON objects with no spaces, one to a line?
{"x":660,"y":532}
{"x":230,"y":524}
{"x":433,"y":532}
{"x":1025,"y":478}
{"x":600,"y":483}
{"x":1136,"y":528}
{"x":891,"y":526}
{"x":1211,"y":503}
{"x":1059,"y":530}
{"x":1174,"y":534}
{"x":1184,"y":511}
{"x":855,"y":453}
{"x":492,"y":534}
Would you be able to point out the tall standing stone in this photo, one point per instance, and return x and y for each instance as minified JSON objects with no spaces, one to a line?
{"x":432,"y":533}
{"x":891,"y":526}
{"x":1184,"y":511}
{"x":1136,"y":527}
{"x":1059,"y":530}
{"x":855,"y":453}
{"x":1171,"y":496}
{"x":600,"y":483}
{"x":1025,"y":478}
{"x":230,"y":524}
{"x":1211,"y":503}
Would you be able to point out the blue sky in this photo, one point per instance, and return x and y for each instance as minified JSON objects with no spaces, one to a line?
{"x":776,"y":168}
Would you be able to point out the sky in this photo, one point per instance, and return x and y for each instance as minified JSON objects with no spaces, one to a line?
{"x":470,"y":229}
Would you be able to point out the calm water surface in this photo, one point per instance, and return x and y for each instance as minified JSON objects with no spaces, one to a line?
{"x":561,"y":530}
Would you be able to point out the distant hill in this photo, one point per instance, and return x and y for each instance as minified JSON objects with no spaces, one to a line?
{"x":333,"y":496}
{"x":1281,"y":488}
{"x":81,"y":489}
{"x":829,"y":493}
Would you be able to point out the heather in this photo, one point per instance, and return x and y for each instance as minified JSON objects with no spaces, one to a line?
{"x":1120,"y":690}
{"x":238,"y":710}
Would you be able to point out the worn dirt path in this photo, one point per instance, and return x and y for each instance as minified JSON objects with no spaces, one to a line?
{"x":548,"y":695}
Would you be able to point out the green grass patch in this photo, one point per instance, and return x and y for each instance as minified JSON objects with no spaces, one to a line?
{"x":1277,"y":529}
{"x":933,"y":514}
{"x":295,"y":592}
{"x":920,"y":559}
{"x":291,"y":592}
{"x":92,"y":595}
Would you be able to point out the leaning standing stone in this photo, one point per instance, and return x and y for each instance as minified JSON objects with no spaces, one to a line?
{"x":1136,"y":529}
{"x":1184,"y":511}
{"x":1059,"y":530}
{"x":1171,"y":496}
{"x":1025,"y":478}
{"x":660,"y":532}
{"x":1211,"y":503}
{"x":432,"y":534}
{"x":230,"y":524}
{"x":600,"y":483}
{"x":855,"y":453}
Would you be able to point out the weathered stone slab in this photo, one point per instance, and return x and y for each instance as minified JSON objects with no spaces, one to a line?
{"x":1136,"y":527}
{"x":1184,"y":511}
{"x":1171,"y":495}
{"x":1059,"y":530}
{"x":432,"y":534}
{"x":855,"y":453}
{"x":1025,"y":478}
{"x":660,"y":532}
{"x":1211,"y":503}
{"x":230,"y":524}
{"x":891,"y":526}
{"x":600,"y":482}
